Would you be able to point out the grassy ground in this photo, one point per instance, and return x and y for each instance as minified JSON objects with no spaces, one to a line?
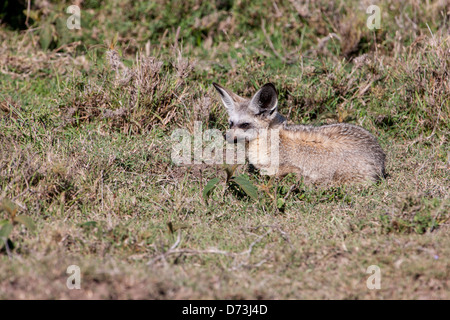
{"x":85,"y":151}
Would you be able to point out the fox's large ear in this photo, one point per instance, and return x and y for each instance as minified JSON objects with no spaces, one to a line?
{"x":229,"y":99}
{"x":265,"y":101}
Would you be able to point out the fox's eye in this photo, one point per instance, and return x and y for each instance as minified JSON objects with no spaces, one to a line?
{"x":231,"y":124}
{"x":244,"y":125}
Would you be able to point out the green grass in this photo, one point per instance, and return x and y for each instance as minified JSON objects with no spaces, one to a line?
{"x":85,"y":152}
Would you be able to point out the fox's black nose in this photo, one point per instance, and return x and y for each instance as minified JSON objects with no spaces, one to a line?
{"x":235,"y":140}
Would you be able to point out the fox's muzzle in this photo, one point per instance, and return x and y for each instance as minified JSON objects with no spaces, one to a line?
{"x":237,"y":135}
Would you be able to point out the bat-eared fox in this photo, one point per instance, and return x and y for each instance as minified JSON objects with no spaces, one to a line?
{"x":336,"y":153}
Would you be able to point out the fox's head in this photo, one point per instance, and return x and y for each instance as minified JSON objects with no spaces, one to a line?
{"x":248,"y":116}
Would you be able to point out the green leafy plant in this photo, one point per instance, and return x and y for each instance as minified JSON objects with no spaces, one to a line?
{"x":7,"y":225}
{"x":210,"y":186}
{"x":52,"y":28}
{"x":242,"y":182}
